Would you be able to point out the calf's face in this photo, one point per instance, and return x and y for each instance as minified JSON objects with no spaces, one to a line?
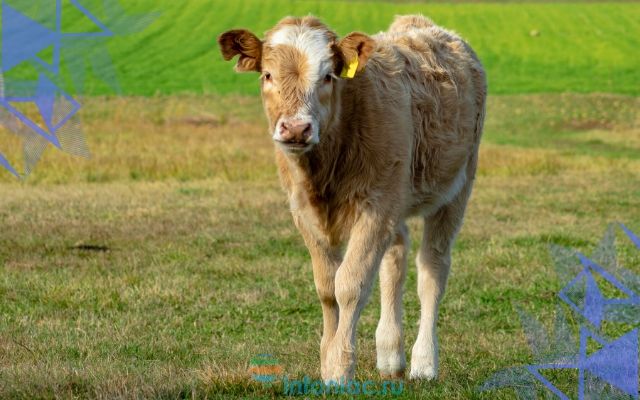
{"x":301,"y":64}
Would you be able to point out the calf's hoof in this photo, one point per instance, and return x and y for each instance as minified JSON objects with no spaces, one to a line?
{"x":423,"y":368}
{"x":392,"y":375}
{"x":391,"y":364}
{"x":340,"y":366}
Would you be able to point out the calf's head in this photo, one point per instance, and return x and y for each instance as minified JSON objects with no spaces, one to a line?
{"x":301,"y":64}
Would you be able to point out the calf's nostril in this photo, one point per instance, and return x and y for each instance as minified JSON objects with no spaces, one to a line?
{"x":306,"y":132}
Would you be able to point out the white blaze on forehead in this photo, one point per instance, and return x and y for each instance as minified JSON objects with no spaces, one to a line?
{"x":313,"y":43}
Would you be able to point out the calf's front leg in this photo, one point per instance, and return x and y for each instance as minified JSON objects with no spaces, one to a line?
{"x":369,"y":239}
{"x":325,"y":262}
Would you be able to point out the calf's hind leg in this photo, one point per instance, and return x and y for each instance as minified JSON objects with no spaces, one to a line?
{"x":391,"y":359}
{"x":433,"y":262}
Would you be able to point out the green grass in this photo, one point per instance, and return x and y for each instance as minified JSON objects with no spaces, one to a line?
{"x":197,"y":267}
{"x":582,"y":47}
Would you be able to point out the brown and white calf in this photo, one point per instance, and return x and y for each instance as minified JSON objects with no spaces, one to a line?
{"x":368,"y":132}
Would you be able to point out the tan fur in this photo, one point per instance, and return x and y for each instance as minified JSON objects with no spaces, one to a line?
{"x":290,"y":71}
{"x":399,"y":139}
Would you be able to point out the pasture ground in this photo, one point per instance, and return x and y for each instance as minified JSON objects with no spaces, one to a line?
{"x":162,"y":265}
{"x":578,"y":46}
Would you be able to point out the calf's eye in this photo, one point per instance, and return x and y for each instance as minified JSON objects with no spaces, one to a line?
{"x":328,"y":78}
{"x":267,"y":76}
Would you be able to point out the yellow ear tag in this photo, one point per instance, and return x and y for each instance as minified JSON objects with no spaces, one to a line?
{"x":349,"y":71}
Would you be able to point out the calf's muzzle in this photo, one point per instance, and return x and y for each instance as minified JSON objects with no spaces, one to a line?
{"x":295,"y":131}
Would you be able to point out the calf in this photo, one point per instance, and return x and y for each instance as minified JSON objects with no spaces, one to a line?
{"x":369,"y":131}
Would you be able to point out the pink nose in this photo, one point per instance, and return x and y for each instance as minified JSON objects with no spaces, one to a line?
{"x":295,"y":131}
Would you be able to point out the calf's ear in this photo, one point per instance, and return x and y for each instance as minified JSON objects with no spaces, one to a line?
{"x":245,"y":43}
{"x":355,"y":49}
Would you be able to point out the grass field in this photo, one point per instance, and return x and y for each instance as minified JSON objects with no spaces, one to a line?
{"x":581,"y":47}
{"x":197,"y":267}
{"x":162,"y":265}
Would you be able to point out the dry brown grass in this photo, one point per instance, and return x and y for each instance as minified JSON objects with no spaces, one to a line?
{"x":198,"y":267}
